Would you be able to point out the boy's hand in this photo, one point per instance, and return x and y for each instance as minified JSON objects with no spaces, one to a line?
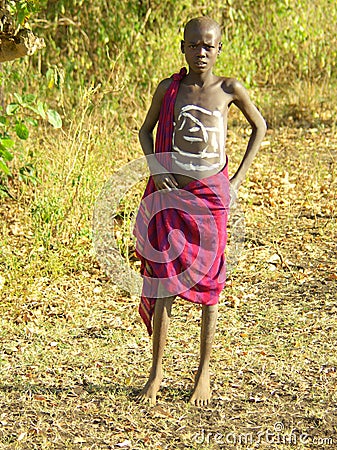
{"x":165,"y":181}
{"x":234,"y":189}
{"x":235,"y":184}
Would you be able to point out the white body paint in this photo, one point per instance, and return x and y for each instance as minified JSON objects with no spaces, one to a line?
{"x":205,"y":144}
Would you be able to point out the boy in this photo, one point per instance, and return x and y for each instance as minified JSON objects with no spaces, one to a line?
{"x":188,"y":191}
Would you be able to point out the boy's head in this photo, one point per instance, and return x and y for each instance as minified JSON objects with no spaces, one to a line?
{"x":203,"y":22}
{"x":202,"y":43}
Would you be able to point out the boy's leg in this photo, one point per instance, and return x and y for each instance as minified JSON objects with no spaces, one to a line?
{"x":161,"y":320}
{"x":202,"y":392}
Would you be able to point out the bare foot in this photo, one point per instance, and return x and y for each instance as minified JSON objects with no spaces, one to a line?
{"x":202,"y":392}
{"x":149,"y":392}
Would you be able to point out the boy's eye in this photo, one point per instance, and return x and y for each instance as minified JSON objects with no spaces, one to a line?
{"x":206,"y":47}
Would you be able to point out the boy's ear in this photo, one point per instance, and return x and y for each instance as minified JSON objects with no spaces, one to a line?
{"x":219,"y":48}
{"x":182,"y":46}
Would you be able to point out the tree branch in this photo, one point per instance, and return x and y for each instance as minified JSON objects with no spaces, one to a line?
{"x":19,"y":45}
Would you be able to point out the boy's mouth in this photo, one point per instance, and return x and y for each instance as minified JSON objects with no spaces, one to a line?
{"x":200,"y":63}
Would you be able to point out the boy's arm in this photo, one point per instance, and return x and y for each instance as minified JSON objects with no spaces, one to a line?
{"x":242,"y":101}
{"x":161,"y":177}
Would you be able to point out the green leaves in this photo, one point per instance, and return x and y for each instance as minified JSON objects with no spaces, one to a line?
{"x":26,"y":110}
{"x":22,"y":9}
{"x":12,"y":108}
{"x":6,"y":142}
{"x":54,"y":118}
{"x":5,"y":155}
{"x":21,"y":131}
{"x":4,"y":168}
{"x":40,"y":110}
{"x":29,"y":103}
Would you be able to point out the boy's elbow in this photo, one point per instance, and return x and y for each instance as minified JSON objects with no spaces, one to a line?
{"x":143,"y":132}
{"x":146,"y":139}
{"x":261,"y":127}
{"x":264,"y":126}
{"x":140,"y":132}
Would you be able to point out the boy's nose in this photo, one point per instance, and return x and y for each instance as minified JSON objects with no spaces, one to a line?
{"x":201,"y":51}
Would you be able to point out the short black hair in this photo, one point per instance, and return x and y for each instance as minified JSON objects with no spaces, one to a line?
{"x":203,"y":20}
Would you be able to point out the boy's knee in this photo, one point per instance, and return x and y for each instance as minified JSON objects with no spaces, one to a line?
{"x":163,"y":293}
{"x":211,"y":309}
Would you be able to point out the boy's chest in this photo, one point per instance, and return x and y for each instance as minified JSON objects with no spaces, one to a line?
{"x":204,"y":104}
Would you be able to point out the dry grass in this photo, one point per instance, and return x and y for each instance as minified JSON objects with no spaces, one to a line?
{"x":74,"y":353}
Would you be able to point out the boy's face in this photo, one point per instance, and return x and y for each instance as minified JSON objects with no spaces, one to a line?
{"x":201,"y":47}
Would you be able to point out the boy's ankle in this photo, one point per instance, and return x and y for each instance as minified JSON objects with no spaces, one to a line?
{"x":156,"y":372}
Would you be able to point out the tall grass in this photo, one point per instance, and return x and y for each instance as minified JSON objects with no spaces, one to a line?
{"x":102,"y":63}
{"x":265,"y":43}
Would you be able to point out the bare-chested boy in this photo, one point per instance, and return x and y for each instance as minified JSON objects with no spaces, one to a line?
{"x":198,"y":153}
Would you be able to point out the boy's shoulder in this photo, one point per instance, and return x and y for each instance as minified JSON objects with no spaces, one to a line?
{"x":233,"y":87}
{"x":164,"y":85}
{"x":230,"y":83}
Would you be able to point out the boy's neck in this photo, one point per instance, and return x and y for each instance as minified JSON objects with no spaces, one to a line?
{"x":199,"y":79}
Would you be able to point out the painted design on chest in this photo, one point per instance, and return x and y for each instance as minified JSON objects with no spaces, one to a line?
{"x":205,"y":129}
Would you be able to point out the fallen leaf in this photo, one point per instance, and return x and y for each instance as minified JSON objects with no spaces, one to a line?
{"x":161,"y":411}
{"x":2,"y":282}
{"x":125,"y":444}
{"x":256,"y":399}
{"x":332,"y":276}
{"x":22,"y":436}
{"x":16,"y":230}
{"x":274,"y":259}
